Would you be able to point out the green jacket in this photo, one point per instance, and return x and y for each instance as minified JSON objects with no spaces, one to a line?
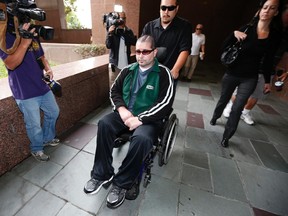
{"x":153,"y":100}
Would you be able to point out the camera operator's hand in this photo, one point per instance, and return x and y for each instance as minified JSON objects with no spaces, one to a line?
{"x":26,"y":32}
{"x":49,"y":74}
{"x":27,"y":41}
{"x":47,"y":68}
{"x":111,"y":29}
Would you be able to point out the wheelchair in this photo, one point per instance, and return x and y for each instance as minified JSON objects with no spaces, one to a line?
{"x":163,"y":146}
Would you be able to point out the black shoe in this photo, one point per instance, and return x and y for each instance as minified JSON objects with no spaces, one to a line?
{"x":133,"y":192}
{"x":93,"y":185}
{"x":225,"y":142}
{"x":115,"y":197}
{"x":213,"y":122}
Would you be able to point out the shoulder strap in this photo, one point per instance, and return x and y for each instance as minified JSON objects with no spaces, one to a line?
{"x":3,"y":25}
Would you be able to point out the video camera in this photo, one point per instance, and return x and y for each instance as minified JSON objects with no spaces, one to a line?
{"x":25,"y":11}
{"x":55,"y":86}
{"x":112,"y":18}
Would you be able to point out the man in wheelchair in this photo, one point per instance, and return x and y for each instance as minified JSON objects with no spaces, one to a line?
{"x":142,"y":95}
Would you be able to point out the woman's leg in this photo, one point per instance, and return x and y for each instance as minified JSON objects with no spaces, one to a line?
{"x":245,"y":89}
{"x":229,"y":83}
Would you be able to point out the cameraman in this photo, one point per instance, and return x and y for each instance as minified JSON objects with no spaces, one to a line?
{"x":119,"y":40}
{"x":31,"y":93}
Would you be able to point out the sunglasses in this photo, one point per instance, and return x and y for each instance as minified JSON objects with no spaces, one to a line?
{"x":144,"y":52}
{"x":170,"y":8}
{"x":198,"y":28}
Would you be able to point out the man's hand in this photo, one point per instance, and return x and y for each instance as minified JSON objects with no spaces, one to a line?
{"x":133,"y":123}
{"x":124,"y":113}
{"x":111,"y":29}
{"x":267,"y":88}
{"x":175,"y":73}
{"x":283,"y":77}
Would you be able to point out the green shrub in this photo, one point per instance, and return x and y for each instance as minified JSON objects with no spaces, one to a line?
{"x":3,"y":70}
{"x":90,"y":50}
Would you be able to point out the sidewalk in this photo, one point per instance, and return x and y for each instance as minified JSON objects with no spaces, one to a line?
{"x":250,"y":178}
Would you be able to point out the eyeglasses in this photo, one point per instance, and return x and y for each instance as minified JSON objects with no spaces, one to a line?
{"x":198,"y":28}
{"x":170,"y":8}
{"x":144,"y":52}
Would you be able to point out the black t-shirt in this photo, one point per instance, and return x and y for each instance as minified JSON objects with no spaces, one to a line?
{"x":177,"y":37}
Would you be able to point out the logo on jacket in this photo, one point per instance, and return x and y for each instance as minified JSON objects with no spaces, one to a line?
{"x":150,"y":87}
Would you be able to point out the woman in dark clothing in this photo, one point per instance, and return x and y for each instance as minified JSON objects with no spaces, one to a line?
{"x":260,"y":43}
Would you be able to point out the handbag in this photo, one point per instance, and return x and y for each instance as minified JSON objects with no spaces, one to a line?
{"x":232,"y":51}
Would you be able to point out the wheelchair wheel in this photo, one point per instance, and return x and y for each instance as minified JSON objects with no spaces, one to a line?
{"x":168,"y":140}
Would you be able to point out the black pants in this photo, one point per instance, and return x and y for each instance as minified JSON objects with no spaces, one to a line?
{"x":246,"y":87}
{"x":141,"y":143}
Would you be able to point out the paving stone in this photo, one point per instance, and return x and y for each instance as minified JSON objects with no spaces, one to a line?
{"x":173,"y":169}
{"x":25,"y":166}
{"x":91,"y":146}
{"x":14,"y":193}
{"x":198,"y":91}
{"x":195,"y":158}
{"x":283,"y":150}
{"x":180,"y":105}
{"x":277,"y":135}
{"x":70,"y":210}
{"x":43,"y":204}
{"x":79,"y":135}
{"x":63,"y":154}
{"x":270,"y":156}
{"x":68,"y":184}
{"x":198,"y":202}
{"x":205,"y":141}
{"x":250,"y":131}
{"x":161,"y":198}
{"x":195,"y":120}
{"x":225,"y":178}
{"x":265,"y":189}
{"x":42,"y":173}
{"x":197,"y":177}
{"x":242,"y":150}
{"x":259,"y":212}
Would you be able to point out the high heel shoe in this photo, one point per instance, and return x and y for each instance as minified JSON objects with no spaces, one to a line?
{"x":225,"y":142}
{"x":213,"y":121}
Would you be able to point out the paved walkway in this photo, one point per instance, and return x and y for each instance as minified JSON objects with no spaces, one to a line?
{"x":201,"y":179}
